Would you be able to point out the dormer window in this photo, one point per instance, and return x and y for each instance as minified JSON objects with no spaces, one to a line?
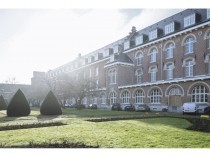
{"x":139,"y":39}
{"x":112,"y":58}
{"x":169,"y":28}
{"x":189,"y":20}
{"x":153,"y":34}
{"x":89,"y":59}
{"x":126,"y":44}
{"x":96,"y":56}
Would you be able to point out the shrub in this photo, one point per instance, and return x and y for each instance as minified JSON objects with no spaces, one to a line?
{"x":18,"y":106}
{"x":3,"y":104}
{"x":50,"y":105}
{"x":199,"y":124}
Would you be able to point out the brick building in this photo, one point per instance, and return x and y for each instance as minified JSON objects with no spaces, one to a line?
{"x":167,"y":62}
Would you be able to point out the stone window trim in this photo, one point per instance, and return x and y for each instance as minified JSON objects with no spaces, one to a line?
{"x":166,"y":64}
{"x":167,"y":43}
{"x":191,"y":35}
{"x":151,"y":67}
{"x":189,"y":58}
{"x":138,"y":89}
{"x":136,"y":73}
{"x":207,"y":58}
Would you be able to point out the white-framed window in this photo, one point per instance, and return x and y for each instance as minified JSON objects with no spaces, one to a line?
{"x":155,"y":96}
{"x":116,"y":49}
{"x":96,"y":71}
{"x":153,"y":55}
{"x":139,"y":39}
{"x":208,"y":13}
{"x":169,"y":71}
{"x":189,"y":68}
{"x":125,"y":97}
{"x":199,"y":94}
{"x":90,"y":72}
{"x":113,"y":98}
{"x":169,"y":28}
{"x":103,"y":98}
{"x":169,"y":50}
{"x":94,"y":100}
{"x":153,"y":72}
{"x":112,"y":76}
{"x":126,"y":44}
{"x":209,"y":66}
{"x":208,"y":40}
{"x":139,"y":74}
{"x":189,"y":45}
{"x":153,"y":34}
{"x":139,"y":58}
{"x":139,"y":97}
{"x":97,"y":84}
{"x":189,"y":20}
{"x":106,"y":52}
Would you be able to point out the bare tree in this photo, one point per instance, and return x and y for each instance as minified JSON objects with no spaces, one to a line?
{"x":76,"y":88}
{"x":11,"y":80}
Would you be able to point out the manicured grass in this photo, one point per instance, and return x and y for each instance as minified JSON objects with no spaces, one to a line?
{"x":142,"y":133}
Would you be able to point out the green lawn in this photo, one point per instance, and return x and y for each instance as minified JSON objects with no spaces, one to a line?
{"x":142,"y":133}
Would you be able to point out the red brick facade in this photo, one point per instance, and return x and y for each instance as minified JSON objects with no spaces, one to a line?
{"x":126,"y":75}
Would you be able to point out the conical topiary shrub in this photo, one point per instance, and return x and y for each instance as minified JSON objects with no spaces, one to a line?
{"x":3,"y":104}
{"x":50,"y":105}
{"x":18,"y":106}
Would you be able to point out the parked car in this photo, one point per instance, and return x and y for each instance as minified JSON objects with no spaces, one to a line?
{"x":158,"y":107}
{"x":129,"y":107}
{"x":116,"y":107}
{"x":190,"y":108}
{"x":201,"y":107}
{"x":92,"y":106}
{"x":142,"y":107}
{"x":207,"y":110}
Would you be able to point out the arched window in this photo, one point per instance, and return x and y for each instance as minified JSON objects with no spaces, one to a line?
{"x":175,"y":91}
{"x":169,"y":50}
{"x":153,"y":71}
{"x":189,"y":68}
{"x":113,"y":98}
{"x":139,"y":75}
{"x":139,"y":97}
{"x":125,"y":97}
{"x":169,"y":71}
{"x":155,"y":96}
{"x":139,"y":58}
{"x":199,"y":94}
{"x":189,"y":45}
{"x":153,"y":55}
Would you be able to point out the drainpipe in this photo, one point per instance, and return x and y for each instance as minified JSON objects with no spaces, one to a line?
{"x":161,"y":60}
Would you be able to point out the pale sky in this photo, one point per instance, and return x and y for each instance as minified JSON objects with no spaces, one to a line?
{"x":43,"y":39}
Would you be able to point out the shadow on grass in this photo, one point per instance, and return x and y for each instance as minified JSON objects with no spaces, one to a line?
{"x":46,"y":117}
{"x":174,"y":122}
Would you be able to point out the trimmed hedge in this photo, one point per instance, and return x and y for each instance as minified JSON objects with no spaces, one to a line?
{"x":18,"y":106}
{"x":3,"y":104}
{"x":64,"y":143}
{"x":50,"y":105}
{"x":27,"y":126}
{"x":199,"y":124}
